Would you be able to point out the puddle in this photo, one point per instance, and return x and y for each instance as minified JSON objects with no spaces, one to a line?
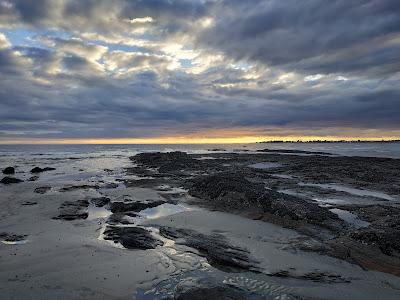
{"x":329,"y":201}
{"x":350,"y":218}
{"x":265,"y":165}
{"x":352,"y":191}
{"x":162,"y":210}
{"x":98,"y":213}
{"x":283,"y":176}
{"x":15,"y":242}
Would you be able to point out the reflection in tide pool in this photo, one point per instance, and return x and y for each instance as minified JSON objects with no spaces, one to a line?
{"x":350,"y":190}
{"x":265,"y":165}
{"x":350,"y":218}
{"x":163,"y":210}
{"x":98,"y":213}
{"x":21,"y":242}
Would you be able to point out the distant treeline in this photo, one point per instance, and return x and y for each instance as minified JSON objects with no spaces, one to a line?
{"x":331,"y":141}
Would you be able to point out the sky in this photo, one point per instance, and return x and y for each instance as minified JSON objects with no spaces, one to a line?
{"x":198,"y":70}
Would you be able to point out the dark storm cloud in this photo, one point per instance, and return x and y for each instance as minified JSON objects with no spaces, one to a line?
{"x":114,"y":68}
{"x":312,"y":35}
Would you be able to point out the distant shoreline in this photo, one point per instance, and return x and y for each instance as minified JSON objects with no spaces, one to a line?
{"x":328,"y":141}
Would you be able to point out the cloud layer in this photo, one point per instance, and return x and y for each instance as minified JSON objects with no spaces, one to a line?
{"x":91,"y":69}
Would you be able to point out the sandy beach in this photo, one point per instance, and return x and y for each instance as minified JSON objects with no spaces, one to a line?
{"x":240,"y":225}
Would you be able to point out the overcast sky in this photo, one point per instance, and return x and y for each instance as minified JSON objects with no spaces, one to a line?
{"x":126,"y":68}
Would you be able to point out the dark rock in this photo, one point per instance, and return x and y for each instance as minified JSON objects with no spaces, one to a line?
{"x":10,"y":237}
{"x":324,"y":277}
{"x":72,"y":210}
{"x":215,"y":248}
{"x":316,"y":276}
{"x":133,"y":206}
{"x":118,"y":218}
{"x":42,"y":189}
{"x":384,"y":229}
{"x":233,"y":192}
{"x":29,"y":203}
{"x":78,"y":187}
{"x":39,"y":170}
{"x":9,"y":180}
{"x":167,"y":162}
{"x":368,"y":256}
{"x":387,"y":239}
{"x":132,"y":237}
{"x":201,"y":289}
{"x":101,"y":201}
{"x":111,"y":185}
{"x":33,"y":178}
{"x":9,"y":171}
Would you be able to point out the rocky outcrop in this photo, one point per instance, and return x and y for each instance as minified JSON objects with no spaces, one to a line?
{"x":132,"y":237}
{"x":137,"y":206}
{"x":100,"y":201}
{"x":42,"y":189}
{"x":78,"y":187}
{"x":167,"y":162}
{"x":233,"y":192}
{"x":10,"y":180}
{"x":73,"y":210}
{"x":40,"y":170}
{"x":215,"y":247}
{"x":200,"y":289}
{"x":9,"y":171}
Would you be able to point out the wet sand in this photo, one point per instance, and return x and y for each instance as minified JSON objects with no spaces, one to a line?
{"x":61,"y":235}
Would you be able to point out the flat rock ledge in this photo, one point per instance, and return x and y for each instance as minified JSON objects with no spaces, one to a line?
{"x":215,"y":247}
{"x":73,"y":210}
{"x":132,"y":237}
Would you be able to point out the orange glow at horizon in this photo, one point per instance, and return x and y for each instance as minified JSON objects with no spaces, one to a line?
{"x":191,"y":140}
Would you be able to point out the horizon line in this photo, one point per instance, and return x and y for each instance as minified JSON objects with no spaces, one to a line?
{"x":196,"y":140}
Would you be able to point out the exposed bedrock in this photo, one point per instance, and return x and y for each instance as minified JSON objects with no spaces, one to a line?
{"x":132,"y":237}
{"x":215,"y":247}
{"x":136,"y":206}
{"x":233,"y":192}
{"x":9,"y":171}
{"x":73,"y":210}
{"x":201,"y":288}
{"x":42,"y":189}
{"x":174,"y":163}
{"x":10,"y":180}
{"x":40,"y":170}
{"x":100,"y":201}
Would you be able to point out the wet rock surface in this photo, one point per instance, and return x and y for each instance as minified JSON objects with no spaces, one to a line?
{"x":136,"y":206}
{"x":33,"y":178}
{"x":100,"y":201}
{"x":40,"y":170}
{"x":165,"y":162}
{"x":29,"y":203}
{"x":9,"y":171}
{"x":200,"y":289}
{"x":132,"y":237}
{"x":11,"y":237}
{"x":316,"y":276}
{"x":227,"y":184}
{"x":215,"y":247}
{"x":120,"y":218}
{"x":78,"y":187}
{"x":232,"y":191}
{"x":42,"y":189}
{"x":73,"y":210}
{"x":10,"y":180}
